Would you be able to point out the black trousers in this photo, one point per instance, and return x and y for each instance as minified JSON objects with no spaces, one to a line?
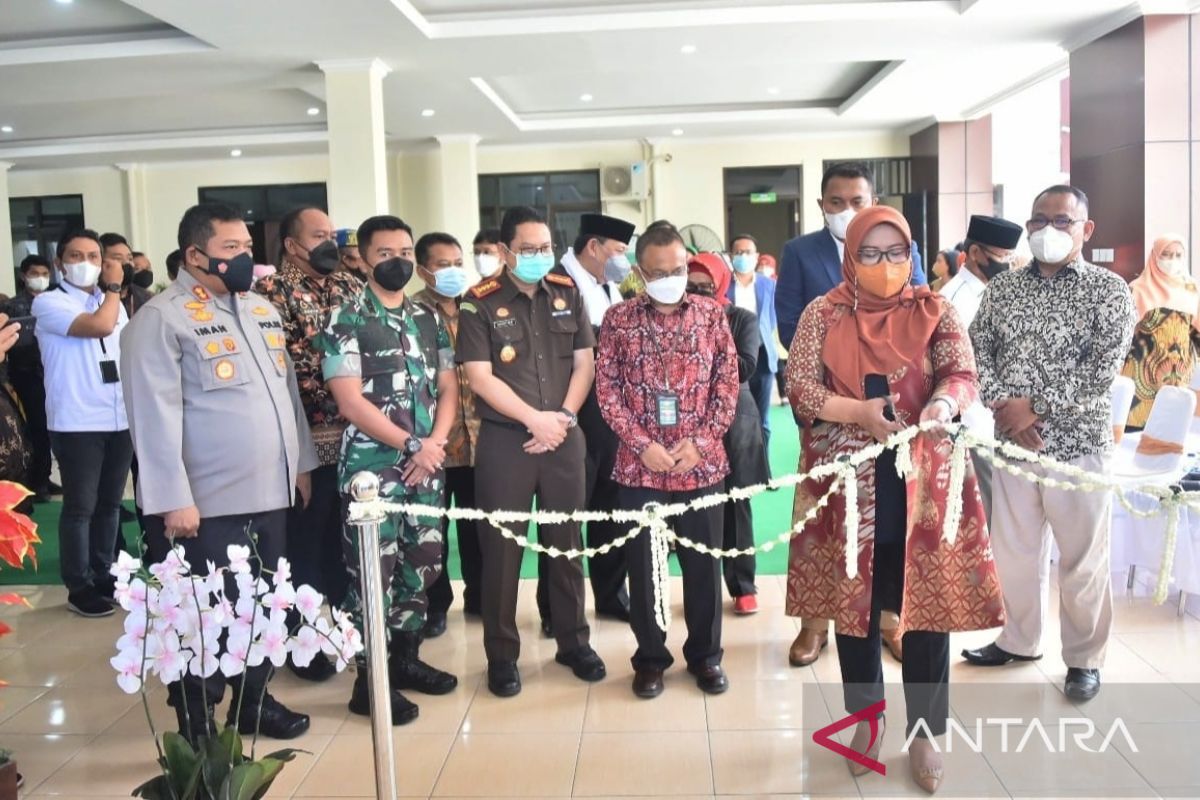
{"x":460,"y":487}
{"x":701,"y":583}
{"x":739,"y":533}
{"x":94,"y":468}
{"x":508,"y":478}
{"x":31,"y":389}
{"x":314,"y":538}
{"x":269,"y":529}
{"x":926,"y":666}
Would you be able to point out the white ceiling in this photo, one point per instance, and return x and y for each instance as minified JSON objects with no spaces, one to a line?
{"x":98,"y":81}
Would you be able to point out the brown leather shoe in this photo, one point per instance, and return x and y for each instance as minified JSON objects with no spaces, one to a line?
{"x":648,"y":683}
{"x":807,"y":647}
{"x":893,"y":641}
{"x":711,"y":680}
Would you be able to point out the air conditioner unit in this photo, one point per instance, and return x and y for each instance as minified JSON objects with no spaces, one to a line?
{"x":624,"y":182}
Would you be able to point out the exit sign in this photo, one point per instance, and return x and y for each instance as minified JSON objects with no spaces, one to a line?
{"x":763,"y":197}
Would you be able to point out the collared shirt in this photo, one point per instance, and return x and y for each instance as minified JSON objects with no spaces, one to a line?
{"x":1061,"y":340}
{"x":397,"y":353}
{"x":77,"y":398}
{"x":965,"y":293}
{"x":598,"y":297}
{"x":215,"y":412}
{"x":529,"y":341}
{"x":690,"y":354}
{"x":744,"y":297}
{"x":304,"y":304}
{"x":460,"y":447}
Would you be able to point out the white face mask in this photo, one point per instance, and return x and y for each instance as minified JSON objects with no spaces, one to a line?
{"x":839,"y":222}
{"x":1174,"y":267}
{"x":82,"y":274}
{"x":1050,"y":245}
{"x":667,"y":291}
{"x":487,"y":264}
{"x":37,"y":284}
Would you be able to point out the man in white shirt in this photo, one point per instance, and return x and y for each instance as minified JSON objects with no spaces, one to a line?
{"x":989,"y":249}
{"x":79,"y":327}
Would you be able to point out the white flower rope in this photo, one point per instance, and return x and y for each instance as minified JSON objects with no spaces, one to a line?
{"x":655,"y":518}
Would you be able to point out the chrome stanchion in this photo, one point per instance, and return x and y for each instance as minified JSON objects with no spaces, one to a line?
{"x":364,"y":487}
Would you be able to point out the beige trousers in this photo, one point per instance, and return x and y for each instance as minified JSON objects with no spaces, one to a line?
{"x":1080,"y":523}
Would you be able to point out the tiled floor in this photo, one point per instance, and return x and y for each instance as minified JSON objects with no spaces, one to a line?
{"x":76,"y":735}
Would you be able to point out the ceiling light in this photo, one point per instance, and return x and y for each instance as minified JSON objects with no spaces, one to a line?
{"x":688,"y":49}
{"x":429,"y":112}
{"x":772,"y":90}
{"x":587,"y":98}
{"x":235,"y":153}
{"x":677,"y":132}
{"x":64,"y":2}
{"x":6,"y":128}
{"x":312,"y":112}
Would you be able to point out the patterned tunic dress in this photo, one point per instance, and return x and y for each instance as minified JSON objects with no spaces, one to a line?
{"x":1164,"y":352}
{"x":946,"y":587}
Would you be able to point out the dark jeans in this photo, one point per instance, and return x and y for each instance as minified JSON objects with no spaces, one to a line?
{"x":216,"y":534}
{"x":31,"y":390}
{"x":762,"y":383}
{"x":460,"y":488}
{"x":701,"y":583}
{"x":926,"y":667}
{"x":94,"y":468}
{"x":739,"y":534}
{"x":314,"y":538}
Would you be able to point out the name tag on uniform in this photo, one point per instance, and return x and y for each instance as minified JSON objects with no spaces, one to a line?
{"x":504,"y":323}
{"x":566,"y":313}
{"x":668,"y":409}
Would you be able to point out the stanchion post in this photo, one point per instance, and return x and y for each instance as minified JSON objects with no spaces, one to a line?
{"x":364,"y":487}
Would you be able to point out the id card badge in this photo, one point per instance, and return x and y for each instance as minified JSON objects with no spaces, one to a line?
{"x":108,"y":371}
{"x":668,"y":409}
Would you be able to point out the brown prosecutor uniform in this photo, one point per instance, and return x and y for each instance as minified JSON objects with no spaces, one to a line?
{"x":530,"y":343}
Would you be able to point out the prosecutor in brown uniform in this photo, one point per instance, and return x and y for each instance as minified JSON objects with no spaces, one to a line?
{"x":526,"y":343}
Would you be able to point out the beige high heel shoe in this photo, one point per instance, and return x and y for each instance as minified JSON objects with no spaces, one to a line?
{"x":862,"y":734}
{"x":926,"y":765}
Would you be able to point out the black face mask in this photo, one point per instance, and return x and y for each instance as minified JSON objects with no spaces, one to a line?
{"x":324,"y":258}
{"x":993,"y":268}
{"x":393,"y":274}
{"x":236,"y":273}
{"x":705,"y":289}
{"x":143,"y":279}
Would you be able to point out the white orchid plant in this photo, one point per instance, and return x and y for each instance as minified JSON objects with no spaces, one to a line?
{"x":179,"y":623}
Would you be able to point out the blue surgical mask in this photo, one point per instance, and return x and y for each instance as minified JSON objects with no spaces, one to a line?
{"x":450,"y":281}
{"x":616,"y":268}
{"x":531,"y":269}
{"x":744,"y":263}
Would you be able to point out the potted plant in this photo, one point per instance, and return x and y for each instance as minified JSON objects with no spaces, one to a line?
{"x":178,"y":622}
{"x":18,"y":535}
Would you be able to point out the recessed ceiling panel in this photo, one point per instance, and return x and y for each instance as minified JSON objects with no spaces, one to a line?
{"x":45,"y":19}
{"x":439,"y":7}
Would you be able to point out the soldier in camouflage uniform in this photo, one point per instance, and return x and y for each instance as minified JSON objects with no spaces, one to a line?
{"x":390,"y":366}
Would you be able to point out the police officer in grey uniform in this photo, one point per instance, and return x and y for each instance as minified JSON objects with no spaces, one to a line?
{"x":220,"y":434}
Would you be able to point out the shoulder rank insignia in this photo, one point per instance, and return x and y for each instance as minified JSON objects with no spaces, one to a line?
{"x":260,"y":311}
{"x":193,"y":305}
{"x":202,"y":316}
{"x":484,"y":289}
{"x":561,"y":280}
{"x":201,"y":293}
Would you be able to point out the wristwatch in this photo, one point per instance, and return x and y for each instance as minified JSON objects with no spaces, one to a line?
{"x":412,"y":446}
{"x":112,"y":287}
{"x":1039,"y":406}
{"x":574,"y":417}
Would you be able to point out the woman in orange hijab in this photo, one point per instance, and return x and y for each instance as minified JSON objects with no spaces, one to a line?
{"x":872,"y":345}
{"x":1166,"y":342}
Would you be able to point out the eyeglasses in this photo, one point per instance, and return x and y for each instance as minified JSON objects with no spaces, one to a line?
{"x":870,"y":256}
{"x":1062,"y":222}
{"x":655,"y":276}
{"x":530,"y":252}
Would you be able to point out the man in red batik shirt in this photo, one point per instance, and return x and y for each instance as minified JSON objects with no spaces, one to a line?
{"x":667,"y":384}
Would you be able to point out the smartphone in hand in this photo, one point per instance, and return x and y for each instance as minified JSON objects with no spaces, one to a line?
{"x":877,"y":386}
{"x":25,"y":335}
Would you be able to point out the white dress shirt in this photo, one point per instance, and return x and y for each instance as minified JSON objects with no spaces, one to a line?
{"x":598,"y":297}
{"x":743,"y":296}
{"x":77,"y":398}
{"x":965,"y":293}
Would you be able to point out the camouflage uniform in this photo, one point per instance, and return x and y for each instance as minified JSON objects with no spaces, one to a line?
{"x":397,"y":354}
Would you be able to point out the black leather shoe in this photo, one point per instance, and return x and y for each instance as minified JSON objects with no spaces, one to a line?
{"x":1082,"y":684}
{"x":992,"y":656}
{"x":435,"y":625}
{"x":615,"y":612}
{"x":547,"y":629}
{"x":503,"y":679}
{"x":277,"y":721}
{"x":408,"y":671}
{"x":403,"y":710}
{"x":319,"y":670}
{"x":584,"y":662}
{"x":648,"y":683}
{"x":711,"y":680}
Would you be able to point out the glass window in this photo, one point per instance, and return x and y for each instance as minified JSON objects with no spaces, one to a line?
{"x":264,"y":207}
{"x":563,"y":197}
{"x":38,"y":223}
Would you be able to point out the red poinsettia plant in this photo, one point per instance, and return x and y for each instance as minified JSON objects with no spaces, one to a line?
{"x":18,"y":535}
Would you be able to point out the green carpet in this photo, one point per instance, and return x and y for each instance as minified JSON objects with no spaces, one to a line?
{"x":772,"y":515}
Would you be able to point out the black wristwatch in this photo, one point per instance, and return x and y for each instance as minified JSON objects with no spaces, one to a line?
{"x":112,"y":287}
{"x":412,"y":446}
{"x":574,"y":417}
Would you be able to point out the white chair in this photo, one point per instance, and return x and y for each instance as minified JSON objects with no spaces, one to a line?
{"x":1123,"y":391}
{"x":1159,"y":450}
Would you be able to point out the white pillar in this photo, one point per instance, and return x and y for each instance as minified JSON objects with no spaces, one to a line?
{"x":133,"y":180}
{"x":457,"y":179}
{"x":358,"y":174}
{"x":7,"y":279}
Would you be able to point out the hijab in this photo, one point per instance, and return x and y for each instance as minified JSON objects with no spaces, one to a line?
{"x":878,"y":335}
{"x":714,"y":267}
{"x":1154,"y":288}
